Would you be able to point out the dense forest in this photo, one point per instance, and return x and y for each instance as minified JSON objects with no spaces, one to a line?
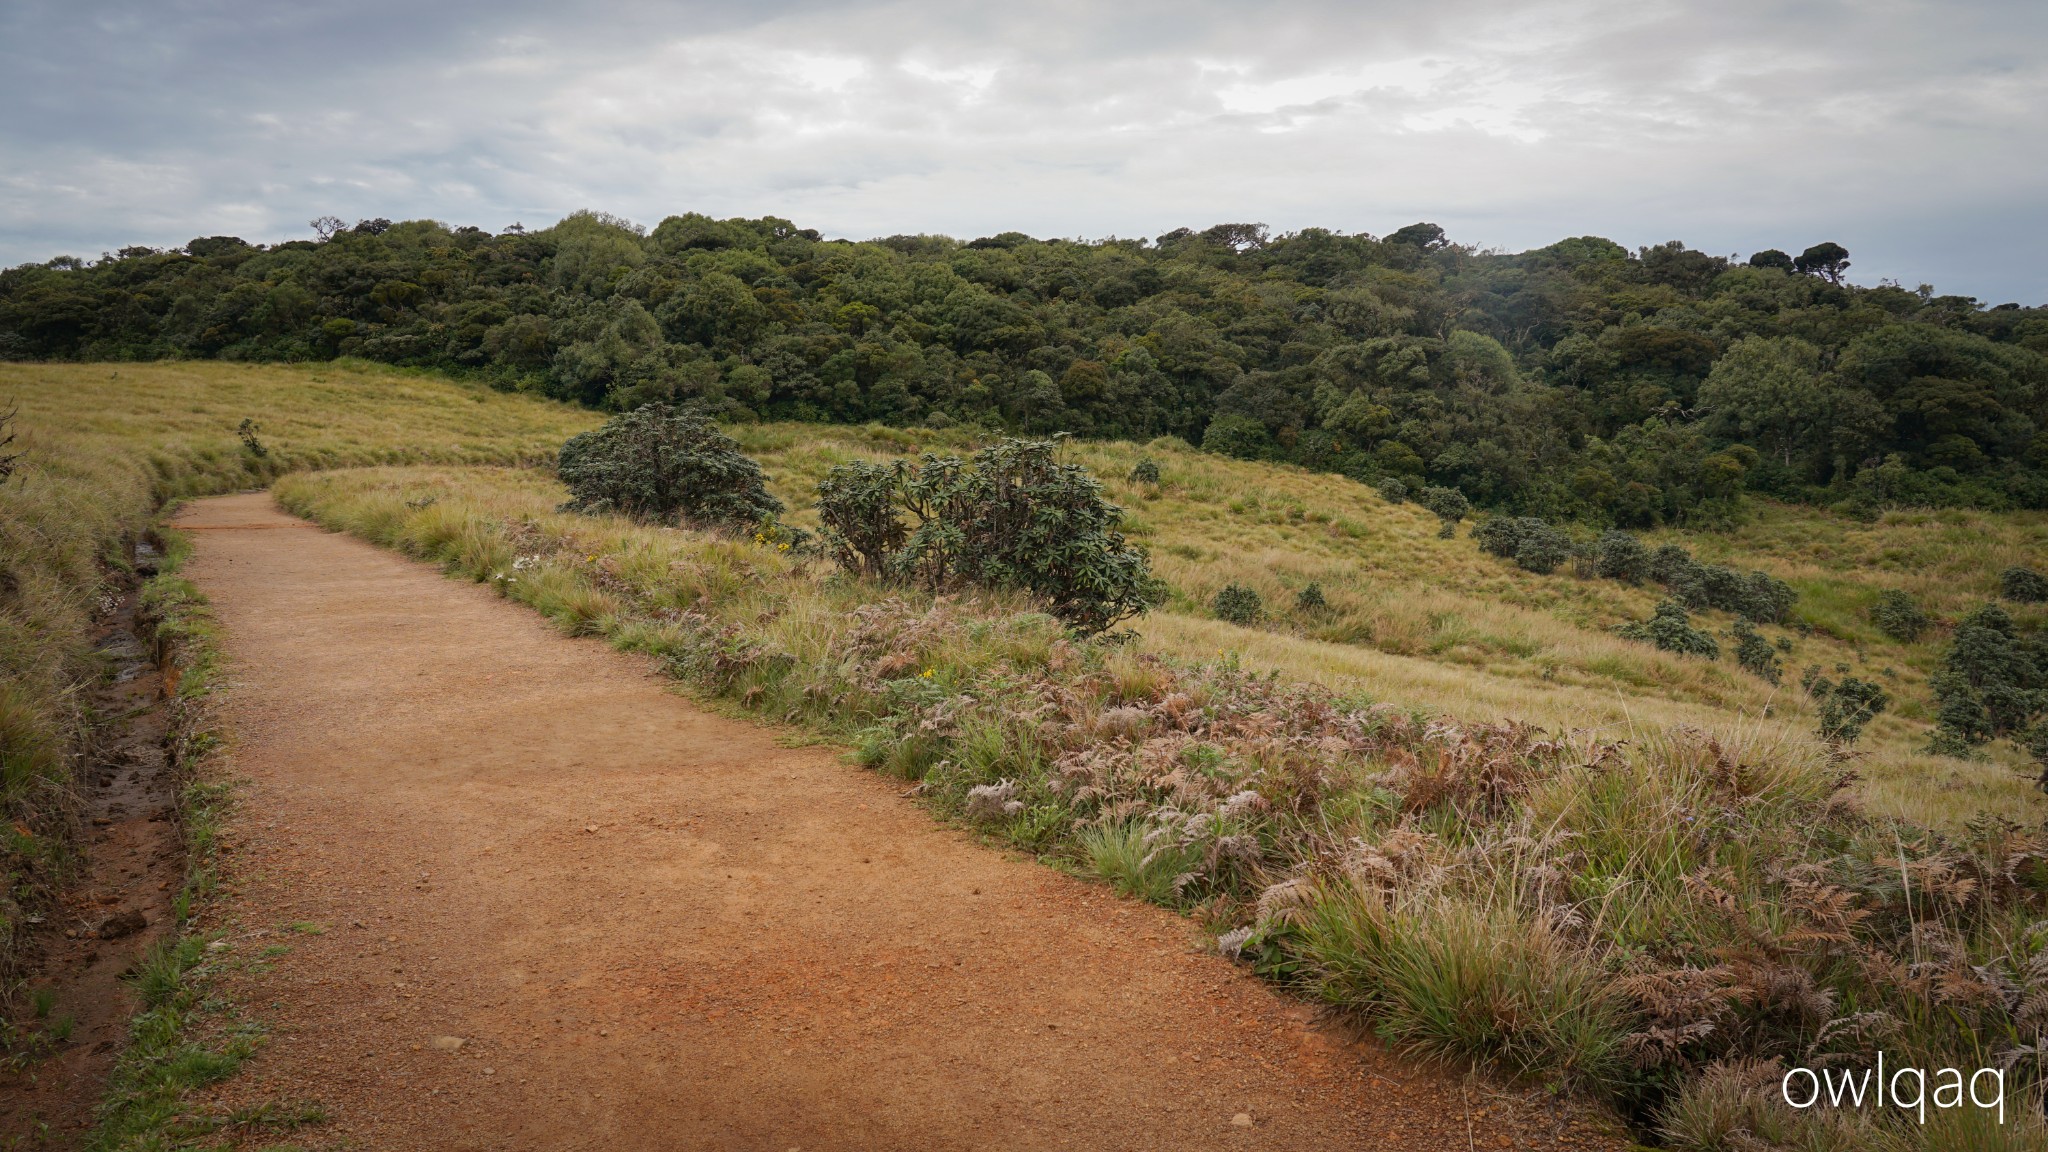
{"x":1580,"y":380}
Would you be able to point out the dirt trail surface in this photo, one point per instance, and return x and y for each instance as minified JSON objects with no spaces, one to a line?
{"x":561,"y":907}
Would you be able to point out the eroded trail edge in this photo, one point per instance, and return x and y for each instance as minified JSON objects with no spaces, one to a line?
{"x":522,"y":895}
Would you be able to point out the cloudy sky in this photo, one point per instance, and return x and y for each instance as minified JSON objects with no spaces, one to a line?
{"x":1913,"y":133}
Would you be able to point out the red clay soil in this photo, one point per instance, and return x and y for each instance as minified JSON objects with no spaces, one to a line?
{"x":650,"y":926}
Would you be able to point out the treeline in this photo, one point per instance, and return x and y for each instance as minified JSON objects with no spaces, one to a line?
{"x":1575,"y":381}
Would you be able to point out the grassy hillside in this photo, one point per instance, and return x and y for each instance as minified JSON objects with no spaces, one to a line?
{"x":1440,"y":625}
{"x":105,"y":446}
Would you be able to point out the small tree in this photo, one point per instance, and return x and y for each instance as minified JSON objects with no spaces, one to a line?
{"x":1238,"y":605}
{"x":1845,"y":707}
{"x":1827,"y":260}
{"x":1620,"y":556}
{"x":1671,"y":563}
{"x":1310,"y":601}
{"x":247,"y":431}
{"x":1531,"y":543}
{"x":1013,"y":517}
{"x":1670,"y":628}
{"x":1754,"y":653}
{"x":857,"y":506}
{"x":1543,"y":548}
{"x":2023,"y":585}
{"x":1145,"y":471}
{"x":1898,"y":616}
{"x":660,"y":463}
{"x":1446,"y":504}
{"x":1992,"y":682}
{"x":1394,"y":489}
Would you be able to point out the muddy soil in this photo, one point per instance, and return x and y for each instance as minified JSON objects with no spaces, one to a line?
{"x":517,"y":893}
{"x":132,"y":867}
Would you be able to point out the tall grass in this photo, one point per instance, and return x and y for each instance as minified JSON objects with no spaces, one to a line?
{"x":1416,"y":618}
{"x":1613,"y":918}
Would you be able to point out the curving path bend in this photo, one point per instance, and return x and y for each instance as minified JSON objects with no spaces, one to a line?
{"x":652,"y":927}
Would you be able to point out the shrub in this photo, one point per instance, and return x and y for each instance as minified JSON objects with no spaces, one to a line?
{"x":8,"y":460}
{"x":1394,"y":489}
{"x":1310,"y":600}
{"x":1543,"y":548}
{"x":1898,"y":616}
{"x":1238,"y":604}
{"x":1446,"y":504}
{"x":1013,"y":517}
{"x":1757,"y":595}
{"x":247,"y":430}
{"x":2023,"y":585}
{"x":1500,"y":535}
{"x":1670,"y":628}
{"x":2036,"y":744}
{"x":1528,"y":541}
{"x":660,"y":463}
{"x":1670,"y":563}
{"x":1845,"y":708}
{"x":1620,"y":556}
{"x":857,"y":508}
{"x":1992,"y":681}
{"x":1754,"y":653}
{"x":1145,"y":471}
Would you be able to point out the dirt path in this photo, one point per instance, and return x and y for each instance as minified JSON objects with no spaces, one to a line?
{"x":653,"y":927}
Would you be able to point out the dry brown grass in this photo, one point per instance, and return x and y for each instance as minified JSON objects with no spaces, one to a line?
{"x":1438,"y":624}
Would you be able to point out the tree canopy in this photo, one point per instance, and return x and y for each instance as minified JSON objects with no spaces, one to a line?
{"x":1580,"y":380}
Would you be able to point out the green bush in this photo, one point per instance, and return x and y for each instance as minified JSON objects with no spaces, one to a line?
{"x":1531,"y":543}
{"x":660,"y":463}
{"x":1012,"y":517}
{"x":1238,"y":604}
{"x":1446,"y":504}
{"x":1754,"y":653}
{"x":1670,"y":628}
{"x":1310,"y":600}
{"x":2023,"y":585}
{"x":1757,"y":595}
{"x":858,"y":507}
{"x":1992,"y":681}
{"x":1898,"y":616}
{"x":1620,"y":556}
{"x":2036,"y":744}
{"x":1845,"y":707}
{"x":1394,"y":489}
{"x":1669,"y":563}
{"x":1145,"y":471}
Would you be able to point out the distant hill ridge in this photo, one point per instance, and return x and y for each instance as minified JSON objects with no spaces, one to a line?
{"x":1578,"y":381}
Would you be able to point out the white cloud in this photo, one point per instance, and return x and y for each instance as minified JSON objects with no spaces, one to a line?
{"x":1911,"y":132}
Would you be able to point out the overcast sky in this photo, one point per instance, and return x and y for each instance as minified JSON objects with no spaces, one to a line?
{"x":1912,"y":133}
